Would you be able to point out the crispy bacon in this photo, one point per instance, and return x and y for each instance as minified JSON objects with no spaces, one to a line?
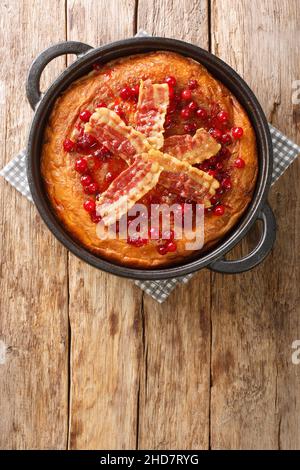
{"x":130,"y":186}
{"x":151,"y":111}
{"x":112,"y":132}
{"x":192,"y":149}
{"x":183,"y":179}
{"x":147,"y":165}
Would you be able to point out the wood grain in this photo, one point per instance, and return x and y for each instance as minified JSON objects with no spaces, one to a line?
{"x":106,"y":334}
{"x":175,"y":377}
{"x":33,"y":281}
{"x":180,"y":19}
{"x":255,"y":317}
{"x":99,"y":22}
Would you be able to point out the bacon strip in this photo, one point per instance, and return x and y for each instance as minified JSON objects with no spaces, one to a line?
{"x":151,"y":111}
{"x":130,"y":186}
{"x":183,"y":179}
{"x":192,"y":149}
{"x":112,"y":132}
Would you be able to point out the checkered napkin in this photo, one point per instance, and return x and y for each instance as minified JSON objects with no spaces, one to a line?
{"x":285,"y":152}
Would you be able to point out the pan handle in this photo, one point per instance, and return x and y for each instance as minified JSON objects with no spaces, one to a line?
{"x":258,"y":254}
{"x":33,"y":79}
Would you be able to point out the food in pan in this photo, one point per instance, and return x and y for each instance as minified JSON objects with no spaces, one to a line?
{"x":148,"y":129}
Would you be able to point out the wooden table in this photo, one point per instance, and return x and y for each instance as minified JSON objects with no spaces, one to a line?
{"x":87,"y":361}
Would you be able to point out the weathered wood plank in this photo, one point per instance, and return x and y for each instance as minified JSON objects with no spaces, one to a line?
{"x":33,"y":282}
{"x":174,"y":395}
{"x":98,"y":22}
{"x":255,"y":317}
{"x":106,"y":334}
{"x":179,"y":19}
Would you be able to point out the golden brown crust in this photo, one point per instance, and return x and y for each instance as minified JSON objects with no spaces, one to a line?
{"x":62,"y":183}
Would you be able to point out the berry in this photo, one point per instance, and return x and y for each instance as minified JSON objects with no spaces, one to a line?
{"x":239,"y":163}
{"x":186,"y":95}
{"x":192,"y":84}
{"x":162,"y":249}
{"x":68,"y":145}
{"x":86,"y":180}
{"x":171,"y":81}
{"x":219,"y":210}
{"x":171,"y":246}
{"x":94,"y":217}
{"x":226,"y":184}
{"x":89,"y":205}
{"x":214,"y":200}
{"x":185,"y":113}
{"x":226,"y":138}
{"x":135,"y":90}
{"x":192,"y":105}
{"x":201,"y":113}
{"x":126,"y":93}
{"x":212,"y":173}
{"x":81,"y":165}
{"x":85,"y":115}
{"x":237,"y":133}
{"x":86,"y":142}
{"x":215,"y":133}
{"x":223,"y":117}
{"x":92,"y":188}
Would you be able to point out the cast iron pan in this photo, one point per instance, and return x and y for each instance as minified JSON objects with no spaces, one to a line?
{"x":86,"y":56}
